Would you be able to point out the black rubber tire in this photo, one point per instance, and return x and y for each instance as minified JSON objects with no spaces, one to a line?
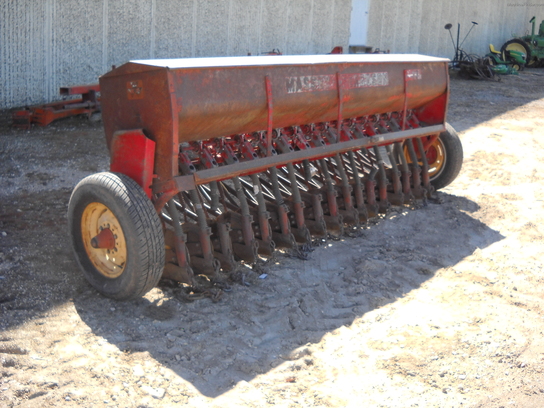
{"x":141,"y":226}
{"x":453,"y":158}
{"x":529,"y":61}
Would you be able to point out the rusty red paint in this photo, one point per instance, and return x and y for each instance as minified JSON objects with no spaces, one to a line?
{"x":270,"y":118}
{"x":405,"y":108}
{"x":214,"y":103}
{"x":43,"y":115}
{"x":339,"y":86}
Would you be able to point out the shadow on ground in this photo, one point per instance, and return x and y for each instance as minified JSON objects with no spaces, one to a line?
{"x":254,"y":329}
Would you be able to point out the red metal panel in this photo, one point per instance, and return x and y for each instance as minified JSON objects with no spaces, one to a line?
{"x":218,"y":102}
{"x":154,"y":113}
{"x":79,"y":89}
{"x":177,"y":101}
{"x":224,"y":99}
{"x":132,"y":154}
{"x":434,"y":112}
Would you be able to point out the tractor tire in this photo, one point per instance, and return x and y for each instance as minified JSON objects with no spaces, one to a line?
{"x":116,"y":235}
{"x":518,"y":45}
{"x":452,"y":158}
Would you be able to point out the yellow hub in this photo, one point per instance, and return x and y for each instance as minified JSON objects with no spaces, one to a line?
{"x":110,"y":262}
{"x":436,"y":157}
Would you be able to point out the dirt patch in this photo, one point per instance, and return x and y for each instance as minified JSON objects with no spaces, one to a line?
{"x":435,"y":306}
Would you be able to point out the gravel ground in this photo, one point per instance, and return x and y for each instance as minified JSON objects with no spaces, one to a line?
{"x":439,"y":306}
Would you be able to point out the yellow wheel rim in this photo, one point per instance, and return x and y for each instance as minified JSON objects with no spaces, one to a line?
{"x":436,"y":157}
{"x":109,"y":262}
{"x":516,"y":47}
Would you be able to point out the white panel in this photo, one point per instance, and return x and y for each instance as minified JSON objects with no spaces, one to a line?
{"x":359,"y":22}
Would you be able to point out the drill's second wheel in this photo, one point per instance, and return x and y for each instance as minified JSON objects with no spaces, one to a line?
{"x":436,"y":157}
{"x":116,"y":235}
{"x":444,"y":156}
{"x":450,"y":153}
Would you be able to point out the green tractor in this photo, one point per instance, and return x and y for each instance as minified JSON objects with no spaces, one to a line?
{"x":531,"y":45}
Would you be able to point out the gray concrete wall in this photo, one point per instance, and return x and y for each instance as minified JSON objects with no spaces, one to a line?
{"x":417,"y":26}
{"x":46,"y":44}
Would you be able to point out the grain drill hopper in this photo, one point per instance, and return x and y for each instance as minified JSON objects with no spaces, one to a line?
{"x":217,"y":161}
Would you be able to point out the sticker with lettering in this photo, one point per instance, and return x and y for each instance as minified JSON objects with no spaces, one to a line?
{"x":319,"y":83}
{"x":310,"y":83}
{"x":364,"y":80}
{"x":412,"y":74}
{"x":135,"y":89}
